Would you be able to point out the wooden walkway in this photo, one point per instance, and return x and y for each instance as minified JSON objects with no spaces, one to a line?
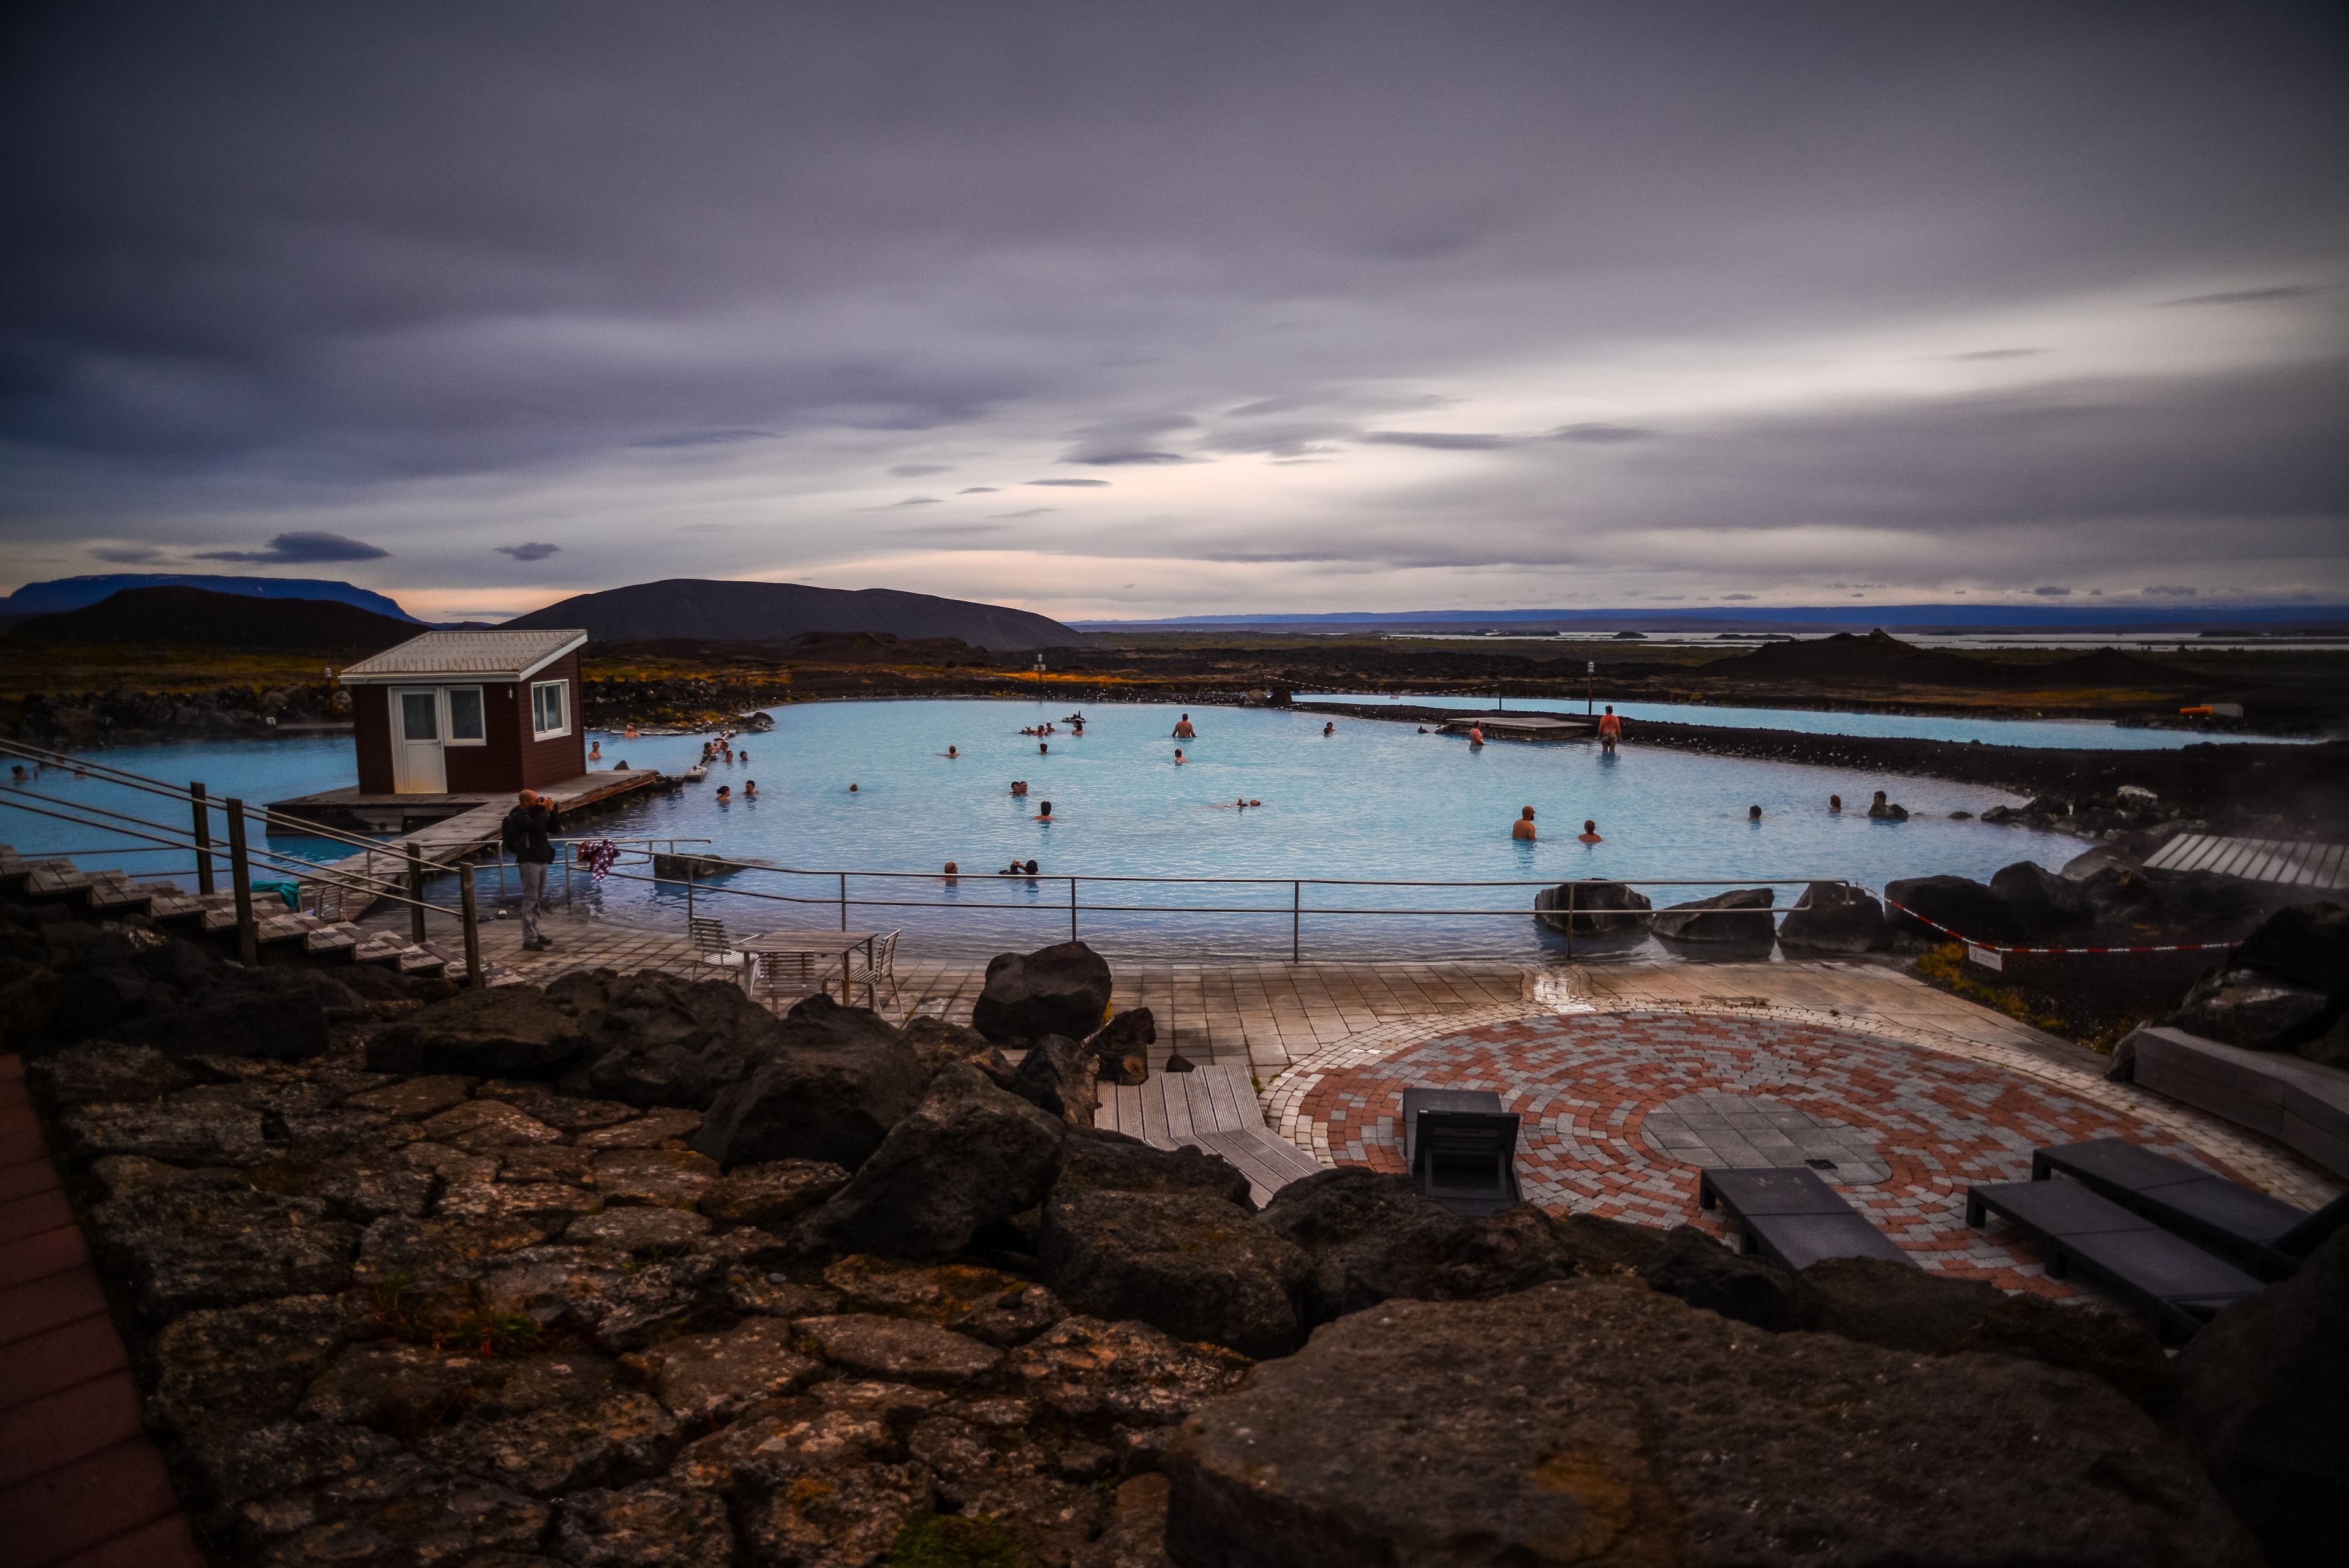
{"x":1212,"y":1107}
{"x":2287,"y":862}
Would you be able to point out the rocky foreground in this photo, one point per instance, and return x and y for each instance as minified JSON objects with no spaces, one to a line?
{"x":630,"y":1271}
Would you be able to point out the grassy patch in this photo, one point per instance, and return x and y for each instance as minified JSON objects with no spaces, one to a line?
{"x":952,"y":1540}
{"x":2092,"y":1006}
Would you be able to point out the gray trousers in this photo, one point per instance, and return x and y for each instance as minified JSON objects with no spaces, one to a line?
{"x":534,"y":894}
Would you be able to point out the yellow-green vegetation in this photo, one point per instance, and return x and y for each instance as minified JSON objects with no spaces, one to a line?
{"x":404,"y":1316}
{"x":2084,"y":1019}
{"x":1945,"y":966}
{"x":953,"y":1541}
{"x":122,"y":666}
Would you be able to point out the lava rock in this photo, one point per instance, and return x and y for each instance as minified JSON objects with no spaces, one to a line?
{"x":900,"y":1349}
{"x":666,"y":1177}
{"x":1061,"y":1077}
{"x":997,"y":1307}
{"x":1120,"y":1045}
{"x":661,"y":1040}
{"x":239,"y":1367}
{"x":970,"y":1154}
{"x":1187,"y":1262}
{"x":1588,"y":1421}
{"x":416,"y":1098}
{"x":182,"y":1133}
{"x":1836,"y":917}
{"x":637,"y":1230}
{"x":1592,"y":899}
{"x":2265,"y":1404}
{"x":938,"y":1043}
{"x":498,"y":1031}
{"x":653,"y":1524}
{"x":1102,"y":1374}
{"x":1962,"y":905}
{"x":2307,"y":943}
{"x":1063,"y":989}
{"x":1704,"y":1273}
{"x":2255,"y":1010}
{"x":1350,"y":1223}
{"x":401,"y":1390}
{"x":1098,"y":1159}
{"x":210,"y":1241}
{"x":102,"y":1072}
{"x":2048,"y":904}
{"x":1717,"y":918}
{"x":1878,"y":1302}
{"x":705,"y":1379}
{"x":771,"y":1196}
{"x":663,"y":1128}
{"x":840,"y":1079}
{"x":1002,"y":1474}
{"x":842,"y":1515}
{"x":479,"y":1126}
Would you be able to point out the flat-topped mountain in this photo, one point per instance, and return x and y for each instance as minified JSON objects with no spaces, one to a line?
{"x":59,"y":594}
{"x":1880,"y":659}
{"x":704,"y":610}
{"x":162,"y":617}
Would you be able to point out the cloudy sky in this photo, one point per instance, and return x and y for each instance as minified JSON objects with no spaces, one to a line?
{"x":1121,"y":310}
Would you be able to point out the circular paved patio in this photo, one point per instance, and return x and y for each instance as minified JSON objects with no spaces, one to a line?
{"x":1620,"y":1110}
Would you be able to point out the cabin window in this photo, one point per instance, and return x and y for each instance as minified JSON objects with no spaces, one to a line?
{"x":465,"y":726}
{"x":550,"y":709}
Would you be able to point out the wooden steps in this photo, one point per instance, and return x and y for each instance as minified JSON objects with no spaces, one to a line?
{"x":1212,"y":1107}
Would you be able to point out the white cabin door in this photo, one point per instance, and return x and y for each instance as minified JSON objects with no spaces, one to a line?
{"x":417,"y":767}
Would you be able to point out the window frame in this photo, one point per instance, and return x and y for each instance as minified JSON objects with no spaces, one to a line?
{"x":563,"y":685}
{"x":480,"y":713}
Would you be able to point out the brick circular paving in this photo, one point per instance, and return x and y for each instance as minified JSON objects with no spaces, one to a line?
{"x":1587,"y":1085}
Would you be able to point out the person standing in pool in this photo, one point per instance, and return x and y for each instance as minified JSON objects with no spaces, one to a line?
{"x":1019,"y":786}
{"x":1523,"y":828}
{"x":1835,"y":805}
{"x":1178,"y":756}
{"x":1589,"y":833}
{"x":1044,"y":811}
{"x":1476,"y":737}
{"x":1183,"y":730}
{"x":1331,"y":728}
{"x":1610,"y":730}
{"x":1754,"y":814}
{"x":749,"y":788}
{"x":1043,"y":748}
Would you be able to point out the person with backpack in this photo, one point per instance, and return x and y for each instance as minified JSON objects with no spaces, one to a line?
{"x":527,"y":833}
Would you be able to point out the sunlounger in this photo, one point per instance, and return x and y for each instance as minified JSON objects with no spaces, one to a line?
{"x":1463,"y":1149}
{"x":2183,"y":1285}
{"x":1790,"y":1217}
{"x":2271,"y":1238}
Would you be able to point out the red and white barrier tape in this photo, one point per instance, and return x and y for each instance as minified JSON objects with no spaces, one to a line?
{"x":1994,"y":947}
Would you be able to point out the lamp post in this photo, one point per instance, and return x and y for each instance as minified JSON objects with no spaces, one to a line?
{"x":1039,"y":677}
{"x":1589,"y":681}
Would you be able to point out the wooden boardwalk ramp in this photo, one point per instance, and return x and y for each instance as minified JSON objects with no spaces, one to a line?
{"x":1212,"y":1107}
{"x":2285,"y":862}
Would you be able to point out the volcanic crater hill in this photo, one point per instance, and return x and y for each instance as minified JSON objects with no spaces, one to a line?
{"x":175,"y":616}
{"x":700,"y":609}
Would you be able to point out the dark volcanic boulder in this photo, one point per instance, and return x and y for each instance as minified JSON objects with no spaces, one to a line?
{"x":937,"y":1042}
{"x":1878,"y":1302}
{"x":1121,"y":1045}
{"x":1059,"y":1076}
{"x":1740,"y":914}
{"x":1187,"y":1262}
{"x":2305,"y":943}
{"x":278,"y":1015}
{"x":2252,"y":1009}
{"x":1836,"y":917}
{"x":969,"y":1155}
{"x":498,"y":1031}
{"x":104,"y":1073}
{"x":839,"y":1079}
{"x":1591,"y":899}
{"x":1704,"y":1273}
{"x":1959,"y":904}
{"x":208,"y":1240}
{"x":2046,"y":903}
{"x":1591,"y":1422}
{"x":1352,"y":1224}
{"x":2265,"y":1404}
{"x":660,"y":1040}
{"x":1062,"y":989}
{"x":1096,"y":1159}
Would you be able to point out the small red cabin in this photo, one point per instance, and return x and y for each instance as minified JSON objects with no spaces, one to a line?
{"x":469,"y":713}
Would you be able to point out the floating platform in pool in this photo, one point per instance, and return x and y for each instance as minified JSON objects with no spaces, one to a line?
{"x":1519,"y":726}
{"x":350,"y":812}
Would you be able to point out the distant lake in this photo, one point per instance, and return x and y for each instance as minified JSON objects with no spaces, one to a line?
{"x":1373,"y":801}
{"x":2081,"y":733}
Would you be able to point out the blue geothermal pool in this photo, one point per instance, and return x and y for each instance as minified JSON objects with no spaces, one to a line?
{"x":1373,"y":801}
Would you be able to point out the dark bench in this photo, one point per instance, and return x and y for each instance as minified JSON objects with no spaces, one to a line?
{"x":1462,"y":1148}
{"x":2269,"y":1238}
{"x":2180,"y":1284}
{"x":1791,"y":1217}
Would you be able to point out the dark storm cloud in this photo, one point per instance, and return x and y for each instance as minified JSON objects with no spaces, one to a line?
{"x":451,"y":269}
{"x":1436,"y":440}
{"x":302,"y":549}
{"x":528,"y":551}
{"x":2053,"y":593}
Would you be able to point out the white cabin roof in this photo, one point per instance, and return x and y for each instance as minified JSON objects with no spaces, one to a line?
{"x":466,"y":655}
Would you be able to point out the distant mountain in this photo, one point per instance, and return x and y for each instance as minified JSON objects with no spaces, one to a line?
{"x":725,"y":612}
{"x":158,"y":617}
{"x":2043,"y":616}
{"x":1880,"y":659}
{"x":62,"y":594}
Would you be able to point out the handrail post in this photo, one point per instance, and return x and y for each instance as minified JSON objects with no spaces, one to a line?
{"x":1570,"y":919}
{"x":1072,"y":908}
{"x":240,"y":870}
{"x":843,"y":901}
{"x":1296,"y":919}
{"x":203,"y":814}
{"x":689,"y":869}
{"x":416,"y":892}
{"x":473,"y":924}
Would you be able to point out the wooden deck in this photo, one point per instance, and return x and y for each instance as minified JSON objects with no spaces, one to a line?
{"x":1212,"y":1107}
{"x":2287,"y":862}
